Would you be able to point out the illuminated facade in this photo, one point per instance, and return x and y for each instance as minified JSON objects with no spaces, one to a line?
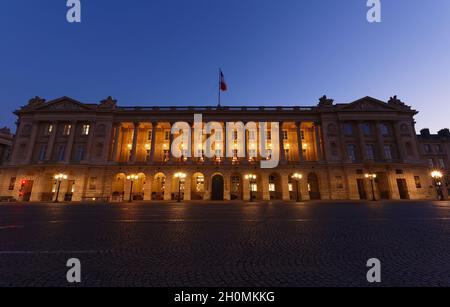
{"x":116,"y":153}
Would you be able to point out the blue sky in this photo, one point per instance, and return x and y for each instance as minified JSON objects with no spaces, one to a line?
{"x":273,"y":52}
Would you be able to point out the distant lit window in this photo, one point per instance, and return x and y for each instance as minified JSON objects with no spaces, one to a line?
{"x":85,"y":130}
{"x":271,"y":187}
{"x":48,"y":129}
{"x":254,"y":187}
{"x":417,"y":182}
{"x":61,"y":152}
{"x":67,"y":129}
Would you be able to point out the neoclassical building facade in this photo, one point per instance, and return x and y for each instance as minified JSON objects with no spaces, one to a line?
{"x":114,"y":153}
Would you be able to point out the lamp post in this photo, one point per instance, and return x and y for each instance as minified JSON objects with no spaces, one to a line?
{"x":251,"y":180}
{"x":437,"y":176}
{"x":298,"y":177}
{"x":132,"y":178}
{"x":180,"y":176}
{"x":372,"y":177}
{"x":59,"y":178}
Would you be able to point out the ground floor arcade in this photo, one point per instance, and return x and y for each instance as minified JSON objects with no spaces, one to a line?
{"x":118,"y":184}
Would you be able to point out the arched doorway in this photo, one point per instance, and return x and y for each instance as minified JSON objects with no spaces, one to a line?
{"x":217,"y":187}
{"x":118,"y":188}
{"x":275,"y":186}
{"x":313,"y":186}
{"x":197,"y":186}
{"x":158,"y":186}
{"x":236,"y":187}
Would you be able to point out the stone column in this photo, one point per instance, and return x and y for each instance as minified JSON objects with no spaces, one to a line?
{"x":285,"y":187}
{"x":69,"y":146}
{"x":148,"y":187}
{"x":362,"y":142}
{"x":32,"y":143}
{"x":264,"y":185}
{"x":380,"y":141}
{"x":117,"y":128}
{"x":245,"y":189}
{"x":344,"y":152}
{"x":51,"y":142}
{"x":282,"y":155}
{"x":227,"y":187}
{"x":133,"y":156}
{"x":398,"y":141}
{"x":187,"y":187}
{"x":299,"y":141}
{"x":87,"y":156}
{"x":170,"y":142}
{"x":153,"y":144}
{"x":168,"y":187}
{"x":318,"y":142}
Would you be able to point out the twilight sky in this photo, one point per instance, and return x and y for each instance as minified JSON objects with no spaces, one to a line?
{"x":272,"y":52}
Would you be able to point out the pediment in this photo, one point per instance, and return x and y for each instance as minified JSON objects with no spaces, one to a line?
{"x":368,"y":104}
{"x":63,"y":104}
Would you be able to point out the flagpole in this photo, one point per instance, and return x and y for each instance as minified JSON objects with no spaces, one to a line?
{"x":218,"y":104}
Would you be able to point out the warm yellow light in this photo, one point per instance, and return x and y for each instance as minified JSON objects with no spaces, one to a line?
{"x":129,"y":146}
{"x":180,"y":175}
{"x":297,"y":176}
{"x":370,"y":176}
{"x":147,"y":146}
{"x":436,"y":174}
{"x":305,"y":146}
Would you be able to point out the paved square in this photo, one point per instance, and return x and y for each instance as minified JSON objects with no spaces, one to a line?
{"x":226,"y":244}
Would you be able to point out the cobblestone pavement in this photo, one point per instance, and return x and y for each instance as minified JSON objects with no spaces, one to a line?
{"x":226,"y":244}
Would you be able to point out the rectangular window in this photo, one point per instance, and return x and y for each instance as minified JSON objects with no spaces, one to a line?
{"x":61,"y":152}
{"x":254,"y":187}
{"x":42,"y":152}
{"x":285,"y":135}
{"x":427,"y":147}
{"x":303,"y":134}
{"x":366,"y":129}
{"x":271,"y":187}
{"x":80,"y":153}
{"x":149,"y":135}
{"x":438,"y":147}
{"x":370,"y":152}
{"x":67,"y":129}
{"x":441,"y":163}
{"x":48,"y":129}
{"x":85,"y":129}
{"x":339,"y":183}
{"x":430,"y":163}
{"x":388,"y":152}
{"x":384,"y":129}
{"x":92,"y":183}
{"x":167,"y":135}
{"x":290,"y":187}
{"x":417,"y":182}
{"x":351,"y":151}
{"x":12,"y":183}
{"x":348,"y":129}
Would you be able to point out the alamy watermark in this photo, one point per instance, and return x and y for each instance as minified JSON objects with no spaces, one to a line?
{"x":263,"y":140}
{"x":74,"y":12}
{"x":374,"y":12}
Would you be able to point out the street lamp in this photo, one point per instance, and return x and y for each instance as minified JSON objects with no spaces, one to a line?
{"x":59,"y":178}
{"x":437,"y":176}
{"x":297,"y":177}
{"x":251,"y":179}
{"x":181,"y":176}
{"x":372,"y":177}
{"x":132,"y":178}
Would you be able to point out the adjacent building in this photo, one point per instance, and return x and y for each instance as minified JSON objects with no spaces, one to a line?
{"x":329,"y":151}
{"x":6,"y":141}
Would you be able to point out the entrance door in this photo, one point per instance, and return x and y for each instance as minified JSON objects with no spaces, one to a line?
{"x":217,"y":187}
{"x":361,"y":189}
{"x":26,"y":190}
{"x":313,"y":186}
{"x":402,"y":188}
